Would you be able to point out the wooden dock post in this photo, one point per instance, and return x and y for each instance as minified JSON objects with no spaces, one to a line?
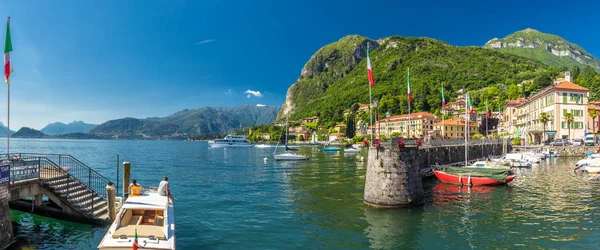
{"x":110,"y":192}
{"x":126,"y":176}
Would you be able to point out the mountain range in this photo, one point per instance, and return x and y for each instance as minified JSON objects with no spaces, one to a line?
{"x":188,"y":123}
{"x":546,"y":48}
{"x":59,"y":128}
{"x":334,"y":79}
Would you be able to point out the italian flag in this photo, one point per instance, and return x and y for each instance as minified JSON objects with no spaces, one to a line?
{"x":487,"y":110}
{"x":7,"y":49}
{"x":135,"y":241}
{"x":408,"y":77}
{"x":369,"y":70}
{"x":470,"y":105}
{"x":443,"y":99}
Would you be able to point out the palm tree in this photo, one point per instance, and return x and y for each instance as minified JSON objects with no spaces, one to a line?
{"x":593,"y":114}
{"x":544,"y":119}
{"x":569,"y":119}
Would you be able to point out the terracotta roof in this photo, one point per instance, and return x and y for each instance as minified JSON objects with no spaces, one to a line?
{"x":570,"y":86}
{"x":515,"y":102}
{"x":594,"y":106}
{"x":418,"y":115}
{"x":453,"y":122}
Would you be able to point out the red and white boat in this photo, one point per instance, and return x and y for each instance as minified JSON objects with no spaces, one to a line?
{"x":469,"y":180}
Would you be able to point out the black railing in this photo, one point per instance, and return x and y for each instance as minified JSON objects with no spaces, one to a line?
{"x":59,"y":165}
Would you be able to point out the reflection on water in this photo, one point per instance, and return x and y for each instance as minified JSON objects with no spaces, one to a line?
{"x":233,"y":199}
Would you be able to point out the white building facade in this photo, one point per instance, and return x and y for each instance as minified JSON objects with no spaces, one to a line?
{"x":556,"y":101}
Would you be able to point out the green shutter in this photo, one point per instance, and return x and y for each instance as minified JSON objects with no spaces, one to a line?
{"x":564,"y":97}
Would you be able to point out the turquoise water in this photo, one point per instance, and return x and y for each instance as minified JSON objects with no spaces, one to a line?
{"x":229,"y":198}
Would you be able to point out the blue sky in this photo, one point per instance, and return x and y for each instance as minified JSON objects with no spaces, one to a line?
{"x":101,"y":60}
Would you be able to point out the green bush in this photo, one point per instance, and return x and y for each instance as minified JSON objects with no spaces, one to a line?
{"x":477,"y":136}
{"x":516,"y":141}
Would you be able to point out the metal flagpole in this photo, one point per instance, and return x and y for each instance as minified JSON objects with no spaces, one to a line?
{"x":466,"y":130}
{"x":409,"y":120}
{"x":370,"y":113}
{"x":8,"y":126}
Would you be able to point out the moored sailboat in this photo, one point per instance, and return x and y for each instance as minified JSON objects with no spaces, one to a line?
{"x":288,"y":156}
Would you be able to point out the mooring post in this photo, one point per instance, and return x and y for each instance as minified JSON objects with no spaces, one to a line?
{"x":126,"y":172}
{"x":110,"y":192}
{"x":392,"y":181}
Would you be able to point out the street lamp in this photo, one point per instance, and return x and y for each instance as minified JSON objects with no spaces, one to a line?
{"x":387,"y":116}
{"x":376,"y":116}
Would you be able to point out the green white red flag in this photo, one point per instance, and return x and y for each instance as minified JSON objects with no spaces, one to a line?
{"x":135,"y":241}
{"x":443,"y":98}
{"x":7,"y":49}
{"x":369,"y":70}
{"x":408,"y":77}
{"x":470,"y":105}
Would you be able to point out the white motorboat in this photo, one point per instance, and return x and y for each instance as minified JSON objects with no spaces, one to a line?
{"x":527,"y":157}
{"x":357,"y":146}
{"x":351,"y":151}
{"x":263,"y":146}
{"x":230,"y":141}
{"x":588,"y":162}
{"x":519,"y":163}
{"x":289,"y":157}
{"x":148,"y":219}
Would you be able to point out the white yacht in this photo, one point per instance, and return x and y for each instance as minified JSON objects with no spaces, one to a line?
{"x":147,"y":218}
{"x":230,"y":141}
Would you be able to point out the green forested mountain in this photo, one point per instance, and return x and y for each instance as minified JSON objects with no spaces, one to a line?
{"x":26,"y":132}
{"x":335,"y":77}
{"x":547,"y":48}
{"x":187,"y":123}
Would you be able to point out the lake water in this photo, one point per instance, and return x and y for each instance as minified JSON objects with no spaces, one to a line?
{"x":229,"y":198}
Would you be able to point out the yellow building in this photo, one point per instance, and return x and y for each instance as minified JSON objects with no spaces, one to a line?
{"x":413,"y":125}
{"x":455,"y":128}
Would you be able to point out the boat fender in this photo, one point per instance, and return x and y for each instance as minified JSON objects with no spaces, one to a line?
{"x":469,"y":181}
{"x":362,"y":158}
{"x":460,"y":179}
{"x":266,"y":159}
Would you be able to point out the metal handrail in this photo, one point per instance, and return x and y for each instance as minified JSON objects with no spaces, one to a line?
{"x":91,"y":180}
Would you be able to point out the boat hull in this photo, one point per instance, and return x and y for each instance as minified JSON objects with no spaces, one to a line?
{"x":331,"y":149}
{"x":474,"y":181}
{"x":228,"y":145}
{"x":290,"y":157}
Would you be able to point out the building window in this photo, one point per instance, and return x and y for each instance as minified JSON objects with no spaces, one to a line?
{"x":564,"y":97}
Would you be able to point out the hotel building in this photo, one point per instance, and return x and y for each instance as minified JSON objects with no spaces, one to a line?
{"x":409,"y":126}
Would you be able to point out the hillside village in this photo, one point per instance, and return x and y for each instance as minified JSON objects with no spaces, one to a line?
{"x":560,"y":110}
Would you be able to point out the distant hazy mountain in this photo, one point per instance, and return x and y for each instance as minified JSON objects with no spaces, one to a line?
{"x":188,"y":122}
{"x":26,"y":132}
{"x":59,"y":128}
{"x":3,"y":130}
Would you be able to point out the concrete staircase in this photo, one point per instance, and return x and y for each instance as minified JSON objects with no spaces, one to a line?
{"x":79,"y":197}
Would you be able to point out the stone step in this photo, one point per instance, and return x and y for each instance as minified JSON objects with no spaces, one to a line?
{"x":65,"y":191}
{"x":99,"y":207}
{"x":87,"y":202}
{"x":66,"y":185}
{"x":81,"y":197}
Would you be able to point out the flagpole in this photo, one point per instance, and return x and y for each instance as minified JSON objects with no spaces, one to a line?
{"x":443,"y":101}
{"x":370,"y":113}
{"x":7,"y":50}
{"x":8,"y":127}
{"x":466,"y":129}
{"x":409,"y":97}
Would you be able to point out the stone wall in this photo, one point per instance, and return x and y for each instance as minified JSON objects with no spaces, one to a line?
{"x":426,"y":157}
{"x":393,"y":177}
{"x":6,"y":232}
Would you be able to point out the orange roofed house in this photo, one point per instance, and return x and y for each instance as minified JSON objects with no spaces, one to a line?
{"x":555,"y":100}
{"x":413,"y":125}
{"x":455,"y":128}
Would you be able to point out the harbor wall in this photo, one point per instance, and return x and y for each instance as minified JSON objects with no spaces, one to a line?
{"x":6,"y":232}
{"x":393,"y":177}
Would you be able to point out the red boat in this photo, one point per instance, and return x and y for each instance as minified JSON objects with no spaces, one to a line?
{"x":469,"y":180}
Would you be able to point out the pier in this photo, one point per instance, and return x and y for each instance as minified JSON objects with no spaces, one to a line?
{"x":394,"y":175}
{"x":74,"y":191}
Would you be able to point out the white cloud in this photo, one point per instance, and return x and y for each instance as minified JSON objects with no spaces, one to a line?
{"x":260,"y":105}
{"x":229,"y":92}
{"x":251,"y":93}
{"x":205,"y":41}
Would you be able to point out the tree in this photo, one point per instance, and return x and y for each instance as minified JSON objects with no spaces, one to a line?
{"x":593,"y":114}
{"x":544,"y":119}
{"x":569,"y":119}
{"x":350,"y":126}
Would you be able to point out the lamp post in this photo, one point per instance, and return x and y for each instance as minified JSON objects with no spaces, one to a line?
{"x":376,"y":116}
{"x":387,"y":116}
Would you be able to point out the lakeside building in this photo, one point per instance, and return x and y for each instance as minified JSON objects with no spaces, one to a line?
{"x":413,"y":125}
{"x":593,"y":123}
{"x":556,"y":101}
{"x":455,"y":128}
